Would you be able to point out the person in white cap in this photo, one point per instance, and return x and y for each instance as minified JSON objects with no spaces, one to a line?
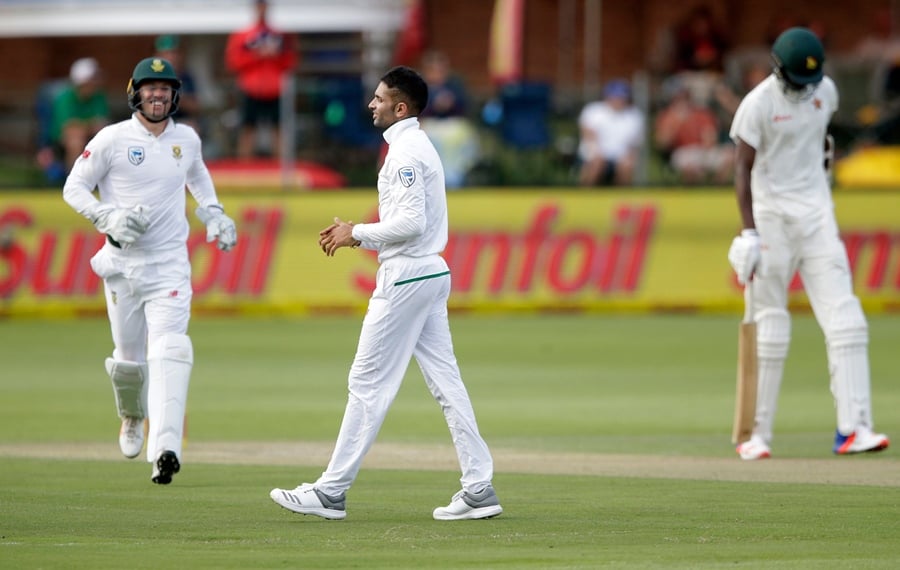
{"x":611,"y":134}
{"x":80,"y":110}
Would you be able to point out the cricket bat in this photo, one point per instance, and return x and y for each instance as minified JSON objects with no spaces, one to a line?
{"x":745,"y":398}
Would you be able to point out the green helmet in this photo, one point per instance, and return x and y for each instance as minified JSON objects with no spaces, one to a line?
{"x":153,"y":69}
{"x":798,"y":57}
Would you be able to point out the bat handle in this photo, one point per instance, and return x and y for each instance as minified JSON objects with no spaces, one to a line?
{"x":748,"y":302}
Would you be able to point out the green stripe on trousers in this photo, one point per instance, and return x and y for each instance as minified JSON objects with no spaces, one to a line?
{"x":422,"y":278}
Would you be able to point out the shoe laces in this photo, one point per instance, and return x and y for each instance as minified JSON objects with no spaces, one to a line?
{"x":130,"y":426}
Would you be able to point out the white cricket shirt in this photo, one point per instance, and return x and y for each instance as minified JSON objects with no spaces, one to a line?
{"x":788,"y":176}
{"x":131,"y":166}
{"x":412,"y":197}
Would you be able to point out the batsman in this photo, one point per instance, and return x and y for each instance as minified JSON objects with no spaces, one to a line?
{"x":141,"y":167}
{"x":784,"y":196}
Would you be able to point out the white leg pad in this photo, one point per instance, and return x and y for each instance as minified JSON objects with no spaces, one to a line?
{"x":773,"y":339}
{"x":129,"y":382}
{"x":169,"y":360}
{"x":847,"y":341}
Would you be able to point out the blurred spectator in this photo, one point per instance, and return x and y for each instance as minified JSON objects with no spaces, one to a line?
{"x":700,"y":44}
{"x":883,"y":39}
{"x":695,"y":44}
{"x":612,"y":134}
{"x":168,"y":47}
{"x":881,"y":120}
{"x":687,"y":135}
{"x":748,"y":64}
{"x":445,"y":120}
{"x":79,"y":111}
{"x":446,"y":92}
{"x":695,"y":49}
{"x":879,"y":51}
{"x":260,"y":56}
{"x":728,"y":98}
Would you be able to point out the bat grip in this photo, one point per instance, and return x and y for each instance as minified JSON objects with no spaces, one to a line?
{"x":748,"y":302}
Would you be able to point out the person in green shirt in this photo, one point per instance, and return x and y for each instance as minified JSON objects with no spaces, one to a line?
{"x":80,"y":110}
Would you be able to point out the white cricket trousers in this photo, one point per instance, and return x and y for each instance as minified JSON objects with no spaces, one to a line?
{"x":407,"y":316}
{"x":817,"y":252}
{"x":148,"y":297}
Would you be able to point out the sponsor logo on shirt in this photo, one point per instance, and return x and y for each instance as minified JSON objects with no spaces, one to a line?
{"x":781,"y":118}
{"x":86,"y":153}
{"x":176,"y":151}
{"x":135,"y":155}
{"x":407,"y":176}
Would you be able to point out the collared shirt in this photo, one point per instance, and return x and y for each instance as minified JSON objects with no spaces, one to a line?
{"x":788,"y":176}
{"x":412,"y":197}
{"x":130,"y":166}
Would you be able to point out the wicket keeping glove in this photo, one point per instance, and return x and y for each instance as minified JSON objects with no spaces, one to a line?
{"x":123,"y":225}
{"x":744,"y":255}
{"x":218,"y":225}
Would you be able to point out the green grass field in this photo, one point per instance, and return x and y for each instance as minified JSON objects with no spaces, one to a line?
{"x":611,"y":437}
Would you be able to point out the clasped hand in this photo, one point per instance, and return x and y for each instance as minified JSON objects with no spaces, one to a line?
{"x":337,"y":235}
{"x":124,"y":225}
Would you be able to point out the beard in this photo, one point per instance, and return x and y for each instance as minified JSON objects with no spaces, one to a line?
{"x":156,"y":109}
{"x":798,"y":93}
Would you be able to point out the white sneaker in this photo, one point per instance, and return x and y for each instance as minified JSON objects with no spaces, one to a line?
{"x":467,"y":506}
{"x":131,"y":436}
{"x":307,"y":500}
{"x":754,"y":448}
{"x":860,"y":441}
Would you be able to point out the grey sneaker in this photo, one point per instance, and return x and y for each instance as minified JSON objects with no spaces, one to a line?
{"x":467,"y":506}
{"x":165,"y":466}
{"x":307,"y":500}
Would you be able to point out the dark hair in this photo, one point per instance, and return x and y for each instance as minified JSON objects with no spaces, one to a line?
{"x":413,"y":89}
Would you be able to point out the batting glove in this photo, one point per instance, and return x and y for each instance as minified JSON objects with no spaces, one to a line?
{"x":744,"y":255}
{"x":218,"y":226}
{"x":123,"y":225}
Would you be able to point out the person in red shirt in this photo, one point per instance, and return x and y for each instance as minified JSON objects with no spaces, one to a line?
{"x":686,"y":133}
{"x":259,"y":56}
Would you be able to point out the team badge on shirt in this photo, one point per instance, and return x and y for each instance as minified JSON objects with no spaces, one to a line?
{"x":407,"y":176}
{"x":176,"y":151}
{"x":135,"y":155}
